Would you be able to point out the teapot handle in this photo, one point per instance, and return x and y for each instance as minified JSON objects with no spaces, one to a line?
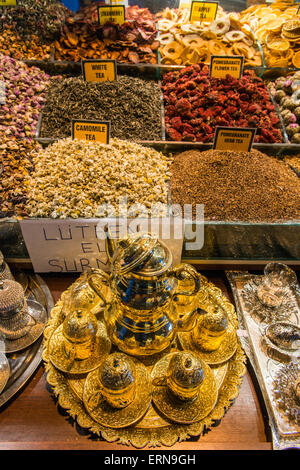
{"x":186,"y":271}
{"x":96,"y":278}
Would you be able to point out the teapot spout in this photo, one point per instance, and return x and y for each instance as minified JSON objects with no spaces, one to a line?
{"x":110,"y":245}
{"x":189,"y":321}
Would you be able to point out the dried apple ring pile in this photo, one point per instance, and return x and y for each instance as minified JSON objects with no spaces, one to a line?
{"x":277,"y":27}
{"x":186,"y":43}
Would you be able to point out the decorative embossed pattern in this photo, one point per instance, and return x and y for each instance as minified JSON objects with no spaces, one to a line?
{"x":4,"y":371}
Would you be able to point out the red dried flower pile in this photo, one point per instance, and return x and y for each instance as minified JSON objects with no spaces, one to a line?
{"x":196,"y":104}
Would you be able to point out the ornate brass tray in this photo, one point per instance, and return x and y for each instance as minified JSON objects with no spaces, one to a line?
{"x":24,"y":363}
{"x":269,"y":368}
{"x":152,"y":430}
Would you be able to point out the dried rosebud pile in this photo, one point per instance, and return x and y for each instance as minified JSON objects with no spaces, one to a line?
{"x":195,"y":104}
{"x":16,"y":163}
{"x":132,"y":42}
{"x":236,"y":186}
{"x":286,"y":92}
{"x":24,"y":95}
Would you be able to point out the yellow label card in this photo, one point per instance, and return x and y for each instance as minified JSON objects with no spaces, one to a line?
{"x":220,"y":66}
{"x":91,"y":131}
{"x":113,"y":13}
{"x":8,"y":3}
{"x":203,"y":11}
{"x":238,"y":139}
{"x":99,"y":70}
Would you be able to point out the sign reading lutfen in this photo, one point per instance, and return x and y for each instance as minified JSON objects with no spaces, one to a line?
{"x":239,"y":139}
{"x":203,"y":11}
{"x":75,"y":245}
{"x":91,"y":131}
{"x":220,"y":66}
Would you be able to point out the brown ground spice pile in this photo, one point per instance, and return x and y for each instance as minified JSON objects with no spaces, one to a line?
{"x":236,"y":186}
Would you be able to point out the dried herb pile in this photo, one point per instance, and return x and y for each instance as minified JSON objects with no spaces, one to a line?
{"x":83,"y":38}
{"x":42,"y":18}
{"x":131,"y":104}
{"x":236,"y":186}
{"x":195,"y":104}
{"x":16,"y":163}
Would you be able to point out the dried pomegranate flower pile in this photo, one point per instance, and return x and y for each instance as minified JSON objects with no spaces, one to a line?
{"x":195,"y":104}
{"x":132,"y":42}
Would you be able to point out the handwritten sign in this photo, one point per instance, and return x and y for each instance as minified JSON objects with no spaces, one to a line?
{"x":8,"y":3}
{"x":91,"y":131}
{"x":203,"y":11}
{"x":220,"y":66}
{"x":238,"y":139}
{"x":113,"y":13}
{"x":99,"y":70}
{"x":75,"y":245}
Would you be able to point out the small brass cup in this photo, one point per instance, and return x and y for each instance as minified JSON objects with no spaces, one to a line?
{"x":184,"y":376}
{"x":117,"y":380}
{"x":79,"y":331}
{"x":210,"y":330}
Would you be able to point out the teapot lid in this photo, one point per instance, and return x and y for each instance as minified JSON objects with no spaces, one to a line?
{"x":142,"y":253}
{"x":132,"y":251}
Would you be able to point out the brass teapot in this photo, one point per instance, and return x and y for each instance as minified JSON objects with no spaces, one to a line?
{"x":141,"y":317}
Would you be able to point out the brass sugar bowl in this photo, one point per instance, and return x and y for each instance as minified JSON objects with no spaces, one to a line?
{"x":141,"y":318}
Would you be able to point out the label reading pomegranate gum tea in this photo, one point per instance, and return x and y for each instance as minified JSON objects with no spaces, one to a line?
{"x":91,"y":131}
{"x":220,"y":66}
{"x":238,"y":139}
{"x":99,"y":70}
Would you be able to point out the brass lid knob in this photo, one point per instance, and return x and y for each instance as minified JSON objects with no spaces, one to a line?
{"x":216,"y":322}
{"x":117,"y":372}
{"x":11,"y":297}
{"x":186,"y":370}
{"x":79,"y":326}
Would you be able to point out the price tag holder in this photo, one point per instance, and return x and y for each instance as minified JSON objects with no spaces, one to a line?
{"x":8,"y":3}
{"x":91,"y":131}
{"x":239,"y":139}
{"x":203,"y":11}
{"x":220,"y":66}
{"x":113,"y":13}
{"x":99,"y":70}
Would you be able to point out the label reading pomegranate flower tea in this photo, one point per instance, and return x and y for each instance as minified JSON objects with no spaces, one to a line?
{"x":220,"y":66}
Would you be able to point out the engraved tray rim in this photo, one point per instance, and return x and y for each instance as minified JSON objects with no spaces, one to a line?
{"x":32,"y":355}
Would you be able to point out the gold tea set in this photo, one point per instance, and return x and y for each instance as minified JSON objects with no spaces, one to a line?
{"x":147,"y":344}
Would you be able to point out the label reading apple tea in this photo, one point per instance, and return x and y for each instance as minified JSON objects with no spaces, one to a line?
{"x":239,"y":139}
{"x":220,"y":66}
{"x":203,"y":11}
{"x":99,"y":70}
{"x":112,"y":13}
{"x":91,"y":131}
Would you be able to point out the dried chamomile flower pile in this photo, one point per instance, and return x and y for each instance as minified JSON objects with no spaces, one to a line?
{"x":286,"y":92}
{"x":133,"y":106}
{"x":236,"y":186}
{"x":16,"y":163}
{"x":74,"y":178}
{"x":183,"y":42}
{"x":196,"y":104}
{"x":24,"y":89}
